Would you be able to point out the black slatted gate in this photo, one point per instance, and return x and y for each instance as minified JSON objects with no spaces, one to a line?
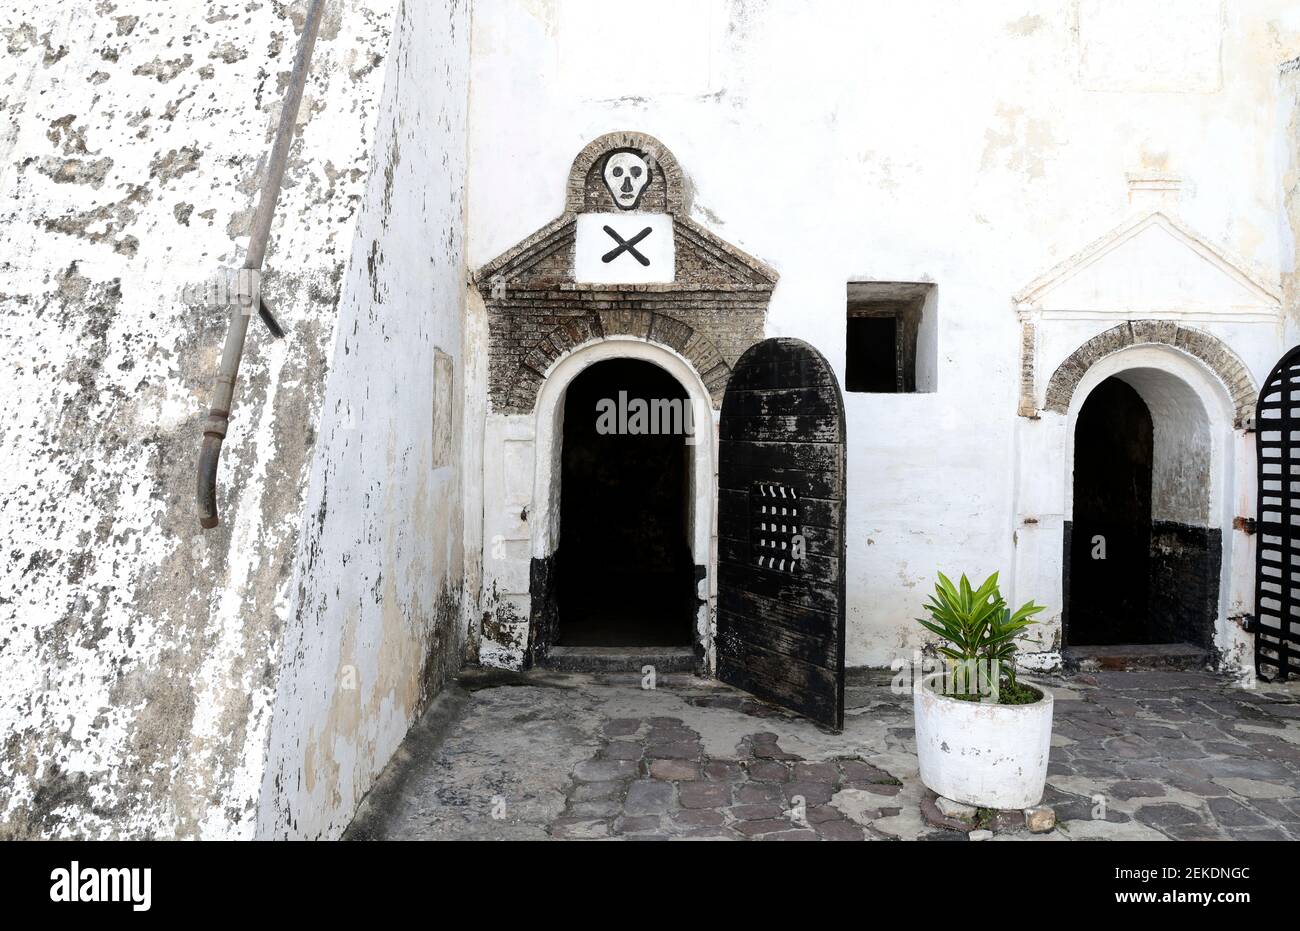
{"x":1277,"y":546}
{"x":781,"y":530}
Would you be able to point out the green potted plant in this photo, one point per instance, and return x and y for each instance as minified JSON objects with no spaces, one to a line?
{"x":982,"y":736}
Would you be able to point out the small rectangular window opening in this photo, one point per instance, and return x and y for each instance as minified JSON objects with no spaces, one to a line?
{"x":891,"y":345}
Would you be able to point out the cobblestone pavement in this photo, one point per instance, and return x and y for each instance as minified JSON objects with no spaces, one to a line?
{"x":1136,"y":755}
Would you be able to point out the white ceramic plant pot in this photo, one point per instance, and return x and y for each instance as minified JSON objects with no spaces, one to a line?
{"x":993,"y":756}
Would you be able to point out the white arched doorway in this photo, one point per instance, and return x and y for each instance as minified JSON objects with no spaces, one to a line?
{"x":547,"y":502}
{"x":1201,"y":445}
{"x":1159,"y":577}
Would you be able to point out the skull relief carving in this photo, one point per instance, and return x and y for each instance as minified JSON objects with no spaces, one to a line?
{"x":626,"y":175}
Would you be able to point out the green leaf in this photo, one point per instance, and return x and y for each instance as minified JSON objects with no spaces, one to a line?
{"x":976,"y":621}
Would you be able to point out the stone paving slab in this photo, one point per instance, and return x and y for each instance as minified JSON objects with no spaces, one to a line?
{"x":1150,"y":754}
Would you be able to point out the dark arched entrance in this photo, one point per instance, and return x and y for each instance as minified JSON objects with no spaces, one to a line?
{"x":625,"y":573}
{"x":1110,"y":546}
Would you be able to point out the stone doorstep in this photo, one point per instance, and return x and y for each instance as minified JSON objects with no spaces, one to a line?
{"x":1137,"y":656}
{"x":620,"y":659}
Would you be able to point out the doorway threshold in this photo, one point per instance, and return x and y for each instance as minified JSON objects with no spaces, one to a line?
{"x":620,"y":659}
{"x":1120,"y":656}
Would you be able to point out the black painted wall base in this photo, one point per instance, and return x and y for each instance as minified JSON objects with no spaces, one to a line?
{"x":543,"y":619}
{"x":1184,"y":588}
{"x":1181,"y":600}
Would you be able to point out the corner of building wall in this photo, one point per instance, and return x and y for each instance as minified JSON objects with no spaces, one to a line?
{"x":376,"y":623}
{"x":474,"y":367}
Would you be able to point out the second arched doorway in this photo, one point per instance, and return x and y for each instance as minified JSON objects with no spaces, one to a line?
{"x":1144,"y":549}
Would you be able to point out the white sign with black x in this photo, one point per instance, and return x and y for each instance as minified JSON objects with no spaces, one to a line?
{"x":624,"y":248}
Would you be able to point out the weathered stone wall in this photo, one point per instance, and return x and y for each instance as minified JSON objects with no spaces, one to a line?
{"x":374,"y":624}
{"x":138,"y":656}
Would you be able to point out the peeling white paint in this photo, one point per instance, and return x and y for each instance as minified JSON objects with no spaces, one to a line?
{"x":138,"y":656}
{"x":375,"y":623}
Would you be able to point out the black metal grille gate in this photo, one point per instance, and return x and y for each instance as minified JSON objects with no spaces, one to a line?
{"x":1277,"y":545}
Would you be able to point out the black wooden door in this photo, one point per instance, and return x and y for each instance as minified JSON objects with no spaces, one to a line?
{"x":1277,"y":545}
{"x":781,"y":531}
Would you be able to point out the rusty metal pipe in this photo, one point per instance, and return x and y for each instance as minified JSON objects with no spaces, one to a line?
{"x":223,"y":386}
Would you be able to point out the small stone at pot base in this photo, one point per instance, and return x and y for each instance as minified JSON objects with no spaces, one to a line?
{"x":1040,"y":819}
{"x":980,"y":834}
{"x":957,"y":810}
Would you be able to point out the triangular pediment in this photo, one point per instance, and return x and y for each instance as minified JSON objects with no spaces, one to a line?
{"x":1152,"y":266}
{"x":704,"y":261}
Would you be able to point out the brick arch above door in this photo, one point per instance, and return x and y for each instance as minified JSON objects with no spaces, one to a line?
{"x":693,"y":346}
{"x":704,"y":298}
{"x":1209,"y":349}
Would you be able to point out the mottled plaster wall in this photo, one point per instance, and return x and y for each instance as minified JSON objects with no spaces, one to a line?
{"x":375,"y":621}
{"x":138,"y":657}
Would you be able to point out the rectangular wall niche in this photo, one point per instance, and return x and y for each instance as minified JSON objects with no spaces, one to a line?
{"x":892,"y":344}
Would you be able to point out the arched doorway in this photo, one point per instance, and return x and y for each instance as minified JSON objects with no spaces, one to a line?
{"x":1195,"y":388}
{"x":1110,"y":560}
{"x":1144,"y":549}
{"x":625,"y":575}
{"x":545,"y":513}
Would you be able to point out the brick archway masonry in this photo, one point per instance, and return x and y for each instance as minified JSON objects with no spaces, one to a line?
{"x":1221,"y":360}
{"x":653,"y":327}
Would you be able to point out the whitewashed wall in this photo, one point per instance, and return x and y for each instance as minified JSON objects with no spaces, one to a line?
{"x":251,"y":680}
{"x":139,"y":656}
{"x":374,"y":625}
{"x":973,"y":145}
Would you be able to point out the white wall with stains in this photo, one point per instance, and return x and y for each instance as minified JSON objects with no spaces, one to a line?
{"x":975,"y":146}
{"x":139,"y":658}
{"x":374,"y":624}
